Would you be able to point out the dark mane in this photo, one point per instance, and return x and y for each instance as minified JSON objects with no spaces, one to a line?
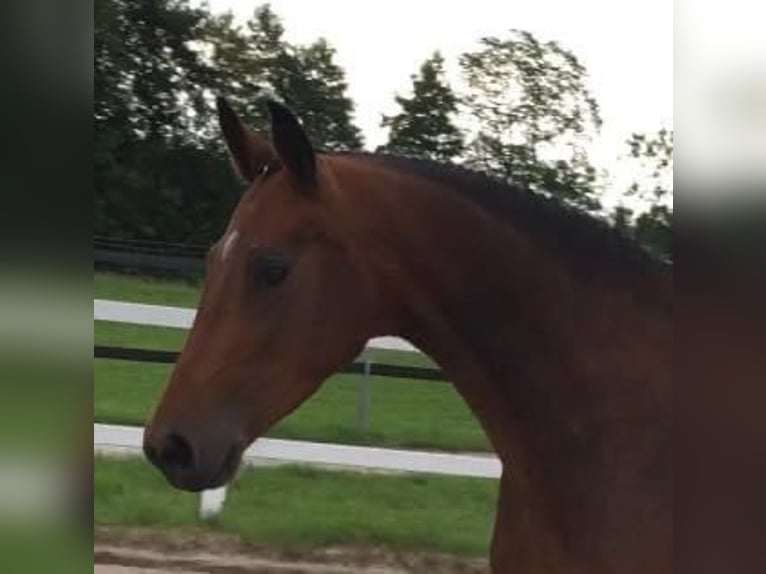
{"x":563,"y":229}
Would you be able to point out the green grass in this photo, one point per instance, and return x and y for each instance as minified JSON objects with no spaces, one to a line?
{"x":403,"y":413}
{"x":174,"y":292}
{"x":126,"y":335}
{"x":302,"y":507}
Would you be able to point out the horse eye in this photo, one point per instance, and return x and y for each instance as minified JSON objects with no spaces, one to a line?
{"x":271,"y":272}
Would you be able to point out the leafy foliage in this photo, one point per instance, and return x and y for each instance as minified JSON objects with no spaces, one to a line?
{"x":153,"y":177}
{"x":161,"y":172}
{"x":146,"y":71}
{"x":653,"y":227}
{"x":424,"y":126}
{"x":258,"y":59}
{"x":534,"y":116}
{"x":160,"y":168}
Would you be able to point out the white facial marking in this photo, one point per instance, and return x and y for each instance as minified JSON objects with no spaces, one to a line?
{"x":228,"y":243}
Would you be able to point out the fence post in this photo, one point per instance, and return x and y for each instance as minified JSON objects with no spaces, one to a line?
{"x":211,"y":503}
{"x":363,"y":398}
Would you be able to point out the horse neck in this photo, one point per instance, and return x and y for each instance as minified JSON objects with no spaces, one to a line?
{"x":561,"y":373}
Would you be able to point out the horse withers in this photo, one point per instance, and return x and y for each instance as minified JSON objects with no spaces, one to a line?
{"x":555,"y":329}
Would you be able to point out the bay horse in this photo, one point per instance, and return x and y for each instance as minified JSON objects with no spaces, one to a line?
{"x":555,"y":329}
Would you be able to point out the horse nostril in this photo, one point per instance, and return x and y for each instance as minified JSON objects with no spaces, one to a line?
{"x":176,"y":453}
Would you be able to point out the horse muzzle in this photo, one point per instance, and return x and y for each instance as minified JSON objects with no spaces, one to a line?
{"x":189,"y":464}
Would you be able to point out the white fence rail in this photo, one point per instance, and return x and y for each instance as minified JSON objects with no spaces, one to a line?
{"x":117,"y":439}
{"x":182,"y":318}
{"x":125,"y":440}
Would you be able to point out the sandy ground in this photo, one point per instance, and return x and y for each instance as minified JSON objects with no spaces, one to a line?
{"x":114,"y":569}
{"x":147,"y":551}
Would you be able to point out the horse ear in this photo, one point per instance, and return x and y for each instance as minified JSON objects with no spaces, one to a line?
{"x":249,"y":152}
{"x":291,"y":142}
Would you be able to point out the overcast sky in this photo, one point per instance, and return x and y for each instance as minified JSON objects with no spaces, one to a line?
{"x":626,"y":46}
{"x":721,"y":95}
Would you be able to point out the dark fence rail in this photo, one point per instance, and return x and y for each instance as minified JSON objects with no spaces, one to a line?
{"x":149,"y":256}
{"x":361,"y":368}
{"x":149,"y":262}
{"x":161,"y":258}
{"x":151,"y":246}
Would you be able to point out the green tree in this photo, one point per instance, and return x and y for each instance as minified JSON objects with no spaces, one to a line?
{"x":258,"y":59}
{"x":653,"y":226}
{"x":147,"y":73}
{"x":318,"y":92}
{"x":111,"y":102}
{"x":534,"y":116}
{"x":424,"y":127}
{"x":150,"y":78}
{"x":161,"y":171}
